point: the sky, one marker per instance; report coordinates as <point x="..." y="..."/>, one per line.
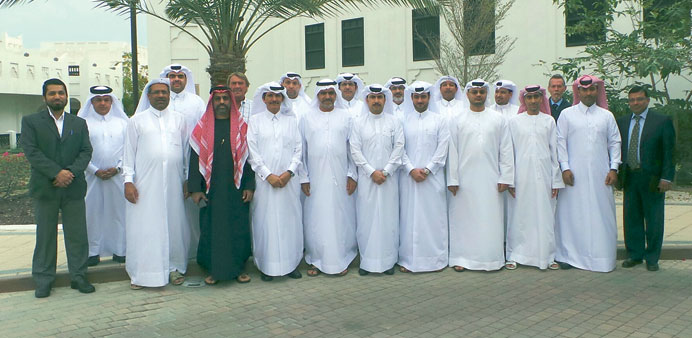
<point x="67" y="20"/>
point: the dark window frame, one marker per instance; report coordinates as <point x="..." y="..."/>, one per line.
<point x="425" y="26"/>
<point x="353" y="42"/>
<point x="314" y="46"/>
<point x="482" y="47"/>
<point x="576" y="17"/>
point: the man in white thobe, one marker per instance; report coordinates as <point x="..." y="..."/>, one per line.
<point x="156" y="148"/>
<point x="447" y="96"/>
<point x="506" y="98"/>
<point x="239" y="84"/>
<point x="537" y="178"/>
<point x="275" y="148"/>
<point x="480" y="167"/>
<point x="377" y="144"/>
<point x="328" y="180"/>
<point x="105" y="204"/>
<point x="423" y="240"/>
<point x="397" y="85"/>
<point x="588" y="142"/>
<point x="185" y="100"/>
<point x="300" y="102"/>
<point x="351" y="87"/>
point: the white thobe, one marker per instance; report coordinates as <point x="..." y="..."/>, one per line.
<point x="105" y="201"/>
<point x="507" y="110"/>
<point x="300" y="106"/>
<point x="531" y="223"/>
<point x="480" y="157"/>
<point x="192" y="107"/>
<point x="377" y="143"/>
<point x="245" y="109"/>
<point x="158" y="234"/>
<point x="329" y="214"/>
<point x="399" y="111"/>
<point x="275" y="146"/>
<point x="449" y="109"/>
<point x="423" y="238"/>
<point x="589" y="145"/>
<point x="355" y="107"/>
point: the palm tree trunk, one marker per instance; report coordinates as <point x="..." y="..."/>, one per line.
<point x="222" y="64"/>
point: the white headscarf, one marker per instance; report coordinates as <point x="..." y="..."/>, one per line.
<point x="511" y="86"/>
<point x="351" y="77"/>
<point x="436" y="95"/>
<point x="395" y="81"/>
<point x="477" y="83"/>
<point x="377" y="89"/>
<point x="116" y="111"/>
<point x="325" y="84"/>
<point x="258" y="104"/>
<point x="417" y="87"/>
<point x="292" y="76"/>
<point x="177" y="68"/>
<point x="144" y="103"/>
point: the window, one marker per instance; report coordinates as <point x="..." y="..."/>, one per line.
<point x="479" y="26"/>
<point x="576" y="19"/>
<point x="352" y="46"/>
<point x="426" y="35"/>
<point x="314" y="46"/>
<point x="666" y="16"/>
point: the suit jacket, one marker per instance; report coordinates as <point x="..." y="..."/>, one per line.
<point x="656" y="147"/>
<point x="48" y="153"/>
<point x="556" y="112"/>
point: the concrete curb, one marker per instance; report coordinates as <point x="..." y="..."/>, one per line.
<point x="116" y="272"/>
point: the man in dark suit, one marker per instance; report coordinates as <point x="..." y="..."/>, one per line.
<point x="57" y="146"/>
<point x="647" y="171"/>
<point x="556" y="88"/>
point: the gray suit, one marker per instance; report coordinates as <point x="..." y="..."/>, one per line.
<point x="48" y="153"/>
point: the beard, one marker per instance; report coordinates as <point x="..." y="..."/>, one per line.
<point x="57" y="105"/>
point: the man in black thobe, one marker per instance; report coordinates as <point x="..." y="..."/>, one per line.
<point x="222" y="183"/>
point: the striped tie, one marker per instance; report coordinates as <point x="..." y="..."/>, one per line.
<point x="632" y="160"/>
<point x="240" y="150"/>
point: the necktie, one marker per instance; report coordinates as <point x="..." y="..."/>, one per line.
<point x="554" y="106"/>
<point x="632" y="160"/>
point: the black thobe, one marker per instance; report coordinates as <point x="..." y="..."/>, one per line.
<point x="225" y="240"/>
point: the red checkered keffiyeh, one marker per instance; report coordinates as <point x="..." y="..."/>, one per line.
<point x="202" y="140"/>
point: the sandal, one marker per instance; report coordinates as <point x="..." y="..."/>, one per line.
<point x="243" y="278"/>
<point x="136" y="287"/>
<point x="313" y="271"/>
<point x="210" y="280"/>
<point x="511" y="265"/>
<point x="458" y="268"/>
<point x="176" y="278"/>
<point x="403" y="269"/>
<point x="554" y="266"/>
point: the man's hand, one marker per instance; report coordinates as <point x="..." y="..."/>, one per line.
<point x="186" y="193"/>
<point x="378" y="177"/>
<point x="351" y="185"/>
<point x="305" y="187"/>
<point x="197" y="196"/>
<point x="285" y="177"/>
<point x="63" y="178"/>
<point x="418" y="175"/>
<point x="612" y="177"/>
<point x="106" y="174"/>
<point x="274" y="180"/>
<point x="131" y="193"/>
<point x="501" y="187"/>
<point x="567" y="177"/>
<point x="664" y="186"/>
<point x="554" y="194"/>
<point x="453" y="189"/>
<point x="247" y="195"/>
<point x="512" y="192"/>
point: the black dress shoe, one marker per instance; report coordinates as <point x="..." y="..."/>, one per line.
<point x="628" y="263"/>
<point x="363" y="272"/>
<point x="43" y="291"/>
<point x="82" y="285"/>
<point x="390" y="271"/>
<point x="652" y="266"/>
<point x="564" y="266"/>
<point x="94" y="260"/>
<point x="295" y="274"/>
<point x="266" y="278"/>
<point x="118" y="259"/>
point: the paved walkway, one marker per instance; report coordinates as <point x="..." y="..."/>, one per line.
<point x="17" y="242"/>
<point x="521" y="303"/>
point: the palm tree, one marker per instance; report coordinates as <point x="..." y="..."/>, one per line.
<point x="232" y="27"/>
